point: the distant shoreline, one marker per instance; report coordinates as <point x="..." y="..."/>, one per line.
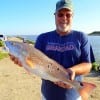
<point x="93" y="35"/>
<point x="96" y="33"/>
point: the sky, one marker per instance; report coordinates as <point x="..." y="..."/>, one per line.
<point x="33" y="17"/>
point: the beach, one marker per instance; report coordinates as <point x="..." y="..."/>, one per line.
<point x="17" y="84"/>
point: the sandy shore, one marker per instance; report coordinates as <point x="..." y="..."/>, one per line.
<point x="17" y="84"/>
<point x="95" y="79"/>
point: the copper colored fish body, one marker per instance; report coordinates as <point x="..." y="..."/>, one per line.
<point x="34" y="61"/>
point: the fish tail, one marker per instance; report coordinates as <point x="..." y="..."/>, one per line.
<point x="86" y="90"/>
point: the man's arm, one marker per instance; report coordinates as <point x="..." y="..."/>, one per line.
<point x="82" y="68"/>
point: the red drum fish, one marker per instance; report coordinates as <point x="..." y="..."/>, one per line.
<point x="36" y="62"/>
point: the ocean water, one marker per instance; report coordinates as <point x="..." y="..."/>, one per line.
<point x="29" y="37"/>
<point x="94" y="40"/>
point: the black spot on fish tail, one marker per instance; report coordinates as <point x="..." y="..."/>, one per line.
<point x="81" y="84"/>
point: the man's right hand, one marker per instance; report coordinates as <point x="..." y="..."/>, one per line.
<point x="15" y="60"/>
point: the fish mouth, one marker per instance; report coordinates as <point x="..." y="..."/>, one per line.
<point x="5" y="48"/>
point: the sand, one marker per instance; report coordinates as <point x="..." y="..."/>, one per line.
<point x="17" y="84"/>
<point x="94" y="77"/>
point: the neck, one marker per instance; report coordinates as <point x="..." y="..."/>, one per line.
<point x="63" y="33"/>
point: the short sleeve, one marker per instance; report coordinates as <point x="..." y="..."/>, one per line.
<point x="86" y="50"/>
<point x="40" y="44"/>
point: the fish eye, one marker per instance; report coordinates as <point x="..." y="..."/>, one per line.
<point x="14" y="44"/>
<point x="11" y="43"/>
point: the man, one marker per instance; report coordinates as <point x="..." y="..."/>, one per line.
<point x="69" y="48"/>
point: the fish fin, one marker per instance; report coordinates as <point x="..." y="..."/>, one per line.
<point x="86" y="89"/>
<point x="29" y="62"/>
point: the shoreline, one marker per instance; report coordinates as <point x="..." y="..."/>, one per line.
<point x="16" y="83"/>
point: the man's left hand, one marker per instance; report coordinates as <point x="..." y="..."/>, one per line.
<point x="71" y="74"/>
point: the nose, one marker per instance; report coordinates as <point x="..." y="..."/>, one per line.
<point x="64" y="17"/>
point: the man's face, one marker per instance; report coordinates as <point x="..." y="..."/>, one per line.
<point x="63" y="20"/>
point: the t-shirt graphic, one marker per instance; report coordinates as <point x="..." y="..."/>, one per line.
<point x="60" y="47"/>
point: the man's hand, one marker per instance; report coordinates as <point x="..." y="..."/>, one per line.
<point x="71" y="77"/>
<point x="63" y="85"/>
<point x="71" y="73"/>
<point x="15" y="60"/>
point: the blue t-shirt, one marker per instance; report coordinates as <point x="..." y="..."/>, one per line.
<point x="67" y="50"/>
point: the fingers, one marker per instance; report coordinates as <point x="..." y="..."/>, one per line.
<point x="15" y="60"/>
<point x="20" y="64"/>
<point x="11" y="57"/>
<point x="71" y="73"/>
<point x="73" y="76"/>
<point x="63" y="85"/>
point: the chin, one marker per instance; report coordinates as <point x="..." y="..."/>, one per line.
<point x="64" y="30"/>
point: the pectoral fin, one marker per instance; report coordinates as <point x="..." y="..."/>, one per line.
<point x="29" y="62"/>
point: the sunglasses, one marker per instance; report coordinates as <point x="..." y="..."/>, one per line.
<point x="68" y="15"/>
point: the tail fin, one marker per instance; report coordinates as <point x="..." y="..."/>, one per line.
<point x="86" y="90"/>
